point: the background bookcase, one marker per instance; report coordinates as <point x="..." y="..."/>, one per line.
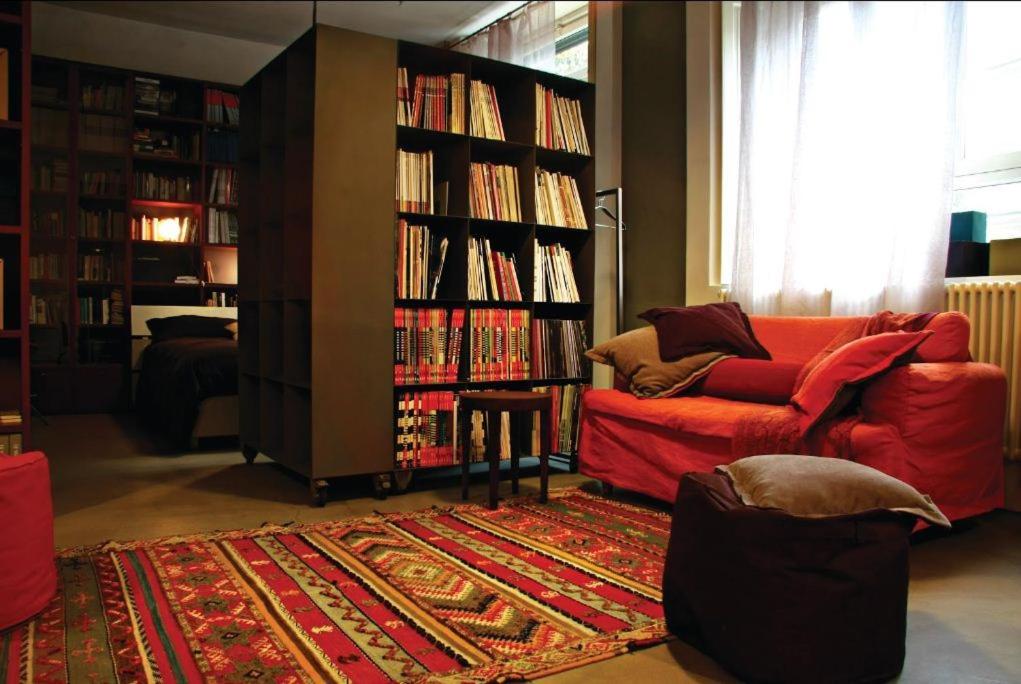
<point x="88" y="121"/>
<point x="317" y="235"/>
<point x="15" y="131"/>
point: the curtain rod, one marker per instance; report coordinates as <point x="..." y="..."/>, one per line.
<point x="491" y="24"/>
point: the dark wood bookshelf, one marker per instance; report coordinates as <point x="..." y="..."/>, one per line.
<point x="79" y="367"/>
<point x="316" y="277"/>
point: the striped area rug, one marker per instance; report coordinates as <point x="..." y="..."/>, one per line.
<point x="462" y="594"/>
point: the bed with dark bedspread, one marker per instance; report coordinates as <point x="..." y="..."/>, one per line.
<point x="177" y="375"/>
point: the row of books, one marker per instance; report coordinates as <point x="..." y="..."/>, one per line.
<point x="50" y="176"/>
<point x="99" y="310"/>
<point x="492" y="275"/>
<point x="485" y="112"/>
<point x="105" y="182"/>
<point x="147" y="227"/>
<point x="98" y="267"/>
<point x="152" y="99"/>
<point x="498" y="345"/>
<point x="564" y="421"/>
<point x="426" y="430"/>
<point x="168" y="144"/>
<point x="46" y="94"/>
<point x="427" y="345"/>
<point x="222" y="146"/>
<point x="558" y="348"/>
<point x="47" y="309"/>
<point x="222" y="227"/>
<point x="495" y="194"/>
<point x="557" y="201"/>
<point x="46" y="265"/>
<point x="223" y="186"/>
<point x="105" y="224"/>
<point x="420" y="257"/>
<point x="100" y="133"/>
<point x="415" y="181"/>
<point x="221" y="298"/>
<point x="154" y="186"/>
<point x="436" y="103"/>
<point x="105" y="96"/>
<point x="559" y="124"/>
<point x="222" y="107"/>
<point x="554" y="275"/>
<point x="49" y="127"/>
<point x="11" y="444"/>
<point x="47" y="222"/>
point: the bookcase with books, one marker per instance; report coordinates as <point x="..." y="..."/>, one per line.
<point x="134" y="201"/>
<point x="15" y="182"/>
<point x="353" y="272"/>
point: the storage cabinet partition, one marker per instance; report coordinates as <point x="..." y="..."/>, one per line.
<point x="319" y="145"/>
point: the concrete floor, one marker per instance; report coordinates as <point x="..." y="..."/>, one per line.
<point x="111" y="481"/>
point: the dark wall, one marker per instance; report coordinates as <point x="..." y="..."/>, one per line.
<point x="653" y="155"/>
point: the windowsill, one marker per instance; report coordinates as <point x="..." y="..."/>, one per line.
<point x="983" y="279"/>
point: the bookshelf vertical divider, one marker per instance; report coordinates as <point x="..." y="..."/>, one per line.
<point x="317" y="254"/>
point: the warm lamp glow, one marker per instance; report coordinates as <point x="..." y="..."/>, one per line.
<point x="168" y="230"/>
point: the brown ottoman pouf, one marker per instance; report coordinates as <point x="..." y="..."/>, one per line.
<point x="794" y="568"/>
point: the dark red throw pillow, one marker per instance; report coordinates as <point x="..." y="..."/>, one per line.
<point x="755" y="380"/>
<point x="830" y="385"/>
<point x="687" y="330"/>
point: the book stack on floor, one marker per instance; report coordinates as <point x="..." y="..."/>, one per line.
<point x="420" y="259"/>
<point x="98" y="310"/>
<point x="492" y="275"/>
<point x="485" y="112"/>
<point x="427" y="345"/>
<point x="222" y="227"/>
<point x="426" y="429"/>
<point x="498" y="345"/>
<point x="557" y="202"/>
<point x="222" y="107"/>
<point x="495" y="194"/>
<point x="558" y="349"/>
<point x="559" y="122"/>
<point x="437" y="102"/>
<point x="415" y="181"/>
<point x="554" y="274"/>
<point x="564" y="419"/>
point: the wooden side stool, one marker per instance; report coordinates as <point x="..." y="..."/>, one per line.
<point x="493" y="404"/>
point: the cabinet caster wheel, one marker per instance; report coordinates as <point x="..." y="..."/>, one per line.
<point x="381" y="485"/>
<point x="318" y="489"/>
<point x="249" y="453"/>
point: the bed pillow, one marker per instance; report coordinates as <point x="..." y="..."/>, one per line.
<point x="829" y="386"/>
<point x="688" y="330"/>
<point x="189" y="326"/>
<point x="818" y="487"/>
<point x="635" y="357"/>
<point x="755" y="380"/>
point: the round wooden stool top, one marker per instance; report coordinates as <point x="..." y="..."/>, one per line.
<point x="498" y="400"/>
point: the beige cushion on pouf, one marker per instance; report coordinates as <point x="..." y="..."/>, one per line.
<point x="816" y="487"/>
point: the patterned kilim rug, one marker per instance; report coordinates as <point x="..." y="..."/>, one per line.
<point x="462" y="594"/>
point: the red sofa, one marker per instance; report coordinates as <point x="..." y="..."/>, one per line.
<point x="936" y="426"/>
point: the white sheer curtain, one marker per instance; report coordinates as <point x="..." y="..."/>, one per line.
<point x="528" y="37"/>
<point x="848" y="126"/>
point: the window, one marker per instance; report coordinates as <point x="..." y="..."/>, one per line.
<point x="572" y="38"/>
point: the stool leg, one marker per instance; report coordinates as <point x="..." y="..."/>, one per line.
<point x="515" y="443"/>
<point x="465" y="429"/>
<point x="493" y="451"/>
<point x="544" y="449"/>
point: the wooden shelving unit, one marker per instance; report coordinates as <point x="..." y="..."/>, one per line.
<point x="317" y="259"/>
<point x="78" y="367"/>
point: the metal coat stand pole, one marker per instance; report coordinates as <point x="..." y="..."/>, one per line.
<point x="617" y="216"/>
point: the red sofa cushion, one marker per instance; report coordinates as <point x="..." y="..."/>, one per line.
<point x="755" y="380"/>
<point x="828" y="387"/>
<point x="949" y="342"/>
<point x="28" y="574"/>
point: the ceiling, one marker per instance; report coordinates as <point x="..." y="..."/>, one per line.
<point x="279" y="23"/>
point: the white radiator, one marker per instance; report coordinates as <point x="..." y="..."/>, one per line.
<point x="994" y="308"/>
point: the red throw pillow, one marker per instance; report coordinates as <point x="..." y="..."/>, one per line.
<point x="688" y="330"/>
<point x="763" y="382"/>
<point x="830" y="385"/>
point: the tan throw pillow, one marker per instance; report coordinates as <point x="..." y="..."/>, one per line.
<point x="635" y="355"/>
<point x="233" y="328"/>
<point x="819" y="487"/>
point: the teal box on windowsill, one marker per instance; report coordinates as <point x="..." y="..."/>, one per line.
<point x="968" y="226"/>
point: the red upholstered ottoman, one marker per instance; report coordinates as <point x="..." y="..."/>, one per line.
<point x="28" y="574"/>
<point x="776" y="596"/>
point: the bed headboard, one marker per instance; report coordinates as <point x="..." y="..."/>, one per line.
<point x="141" y="314"/>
